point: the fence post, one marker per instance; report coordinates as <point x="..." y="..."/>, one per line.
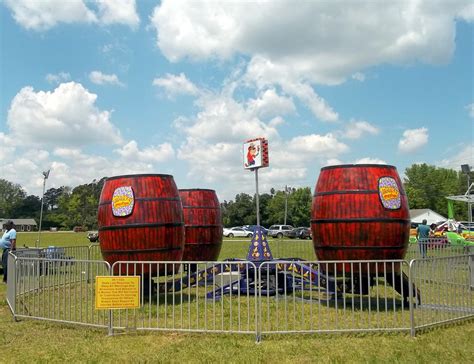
<point x="258" y="296"/>
<point x="410" y="297"/>
<point x="471" y="269"/>
<point x="11" y="283"/>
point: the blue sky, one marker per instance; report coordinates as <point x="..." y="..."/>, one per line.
<point x="108" y="87"/>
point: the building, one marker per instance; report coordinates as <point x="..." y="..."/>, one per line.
<point x="418" y="215"/>
<point x="21" y="224"/>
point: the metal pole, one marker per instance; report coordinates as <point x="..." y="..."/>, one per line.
<point x="41" y="215"/>
<point x="256" y="197"/>
<point x="469" y="206"/>
<point x="286" y="203"/>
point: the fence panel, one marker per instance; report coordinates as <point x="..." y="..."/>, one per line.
<point x="58" y="290"/>
<point x="434" y="248"/>
<point x="444" y="289"/>
<point x="191" y="296"/>
<point x="300" y="296"/>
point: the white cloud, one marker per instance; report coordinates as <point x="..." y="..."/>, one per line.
<point x="65" y="116"/>
<point x="368" y="160"/>
<point x="359" y="76"/>
<point x="58" y="77"/>
<point x="413" y="139"/>
<point x="7" y="147"/>
<point x="100" y="78"/>
<point x="176" y="85"/>
<point x="316" y="41"/>
<point x="470" y="109"/>
<point x="467" y="12"/>
<point x="355" y="129"/>
<point x="223" y="119"/>
<point x="263" y="73"/>
<point x="465" y="155"/>
<point x="319" y="145"/>
<point x="118" y="12"/>
<point x="45" y="14"/>
<point x="155" y="154"/>
<point x="269" y="104"/>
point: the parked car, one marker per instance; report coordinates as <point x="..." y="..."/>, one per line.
<point x="301" y="233"/>
<point x="279" y="231"/>
<point x="237" y="231"/>
<point x="93" y="236"/>
<point x="253" y="227"/>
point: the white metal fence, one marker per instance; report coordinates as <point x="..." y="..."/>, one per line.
<point x="274" y="297"/>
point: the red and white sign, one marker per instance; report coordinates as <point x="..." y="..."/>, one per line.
<point x="256" y="153"/>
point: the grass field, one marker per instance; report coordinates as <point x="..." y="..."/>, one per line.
<point x="35" y="341"/>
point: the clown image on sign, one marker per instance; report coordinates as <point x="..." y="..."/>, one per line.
<point x="252" y="154"/>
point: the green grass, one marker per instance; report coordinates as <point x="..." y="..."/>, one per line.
<point x="30" y="340"/>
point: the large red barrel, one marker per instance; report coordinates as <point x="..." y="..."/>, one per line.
<point x="360" y="212"/>
<point x="203" y="224"/>
<point x="141" y="219"/>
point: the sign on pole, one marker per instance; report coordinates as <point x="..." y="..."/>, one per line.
<point x="256" y="153"/>
<point x="255" y="157"/>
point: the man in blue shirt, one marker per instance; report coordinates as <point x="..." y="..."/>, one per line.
<point x="423" y="234"/>
<point x="7" y="243"/>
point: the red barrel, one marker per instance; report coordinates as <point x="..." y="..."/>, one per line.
<point x="203" y="224"/>
<point x="141" y="219"/>
<point x="360" y="212"/>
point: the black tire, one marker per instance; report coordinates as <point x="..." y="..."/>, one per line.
<point x="249" y="235"/>
<point x="279" y="236"/>
<point x="231" y="235"/>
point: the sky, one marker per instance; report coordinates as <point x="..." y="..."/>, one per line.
<point x="112" y="87"/>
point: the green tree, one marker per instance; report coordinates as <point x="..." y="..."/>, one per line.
<point x="29" y="207"/>
<point x="11" y="195"/>
<point x="427" y="187"/>
<point x="299" y="207"/>
<point x="242" y="211"/>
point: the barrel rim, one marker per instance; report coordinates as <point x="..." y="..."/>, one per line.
<point x="389" y="166"/>
<point x="139" y="175"/>
<point x="196" y="189"/>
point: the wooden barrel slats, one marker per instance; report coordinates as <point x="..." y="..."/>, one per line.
<point x="141" y="219"/>
<point x="203" y="224"/>
<point x="360" y="212"/>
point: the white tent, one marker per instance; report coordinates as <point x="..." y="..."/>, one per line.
<point x="432" y="217"/>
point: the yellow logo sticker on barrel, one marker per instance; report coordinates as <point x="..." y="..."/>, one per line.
<point x="123" y="201"/>
<point x="389" y="193"/>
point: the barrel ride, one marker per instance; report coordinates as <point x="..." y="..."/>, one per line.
<point x="360" y="212"/>
<point x="203" y="224"/>
<point x="141" y="219"/>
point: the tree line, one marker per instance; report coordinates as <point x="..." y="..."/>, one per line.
<point x="65" y="207"/>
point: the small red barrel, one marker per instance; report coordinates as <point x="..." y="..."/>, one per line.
<point x="360" y="212"/>
<point x="203" y="224"/>
<point x="141" y="219"/>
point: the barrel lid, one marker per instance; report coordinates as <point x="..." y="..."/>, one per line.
<point x="388" y="166"/>
<point x="139" y="175"/>
<point x="195" y="189"/>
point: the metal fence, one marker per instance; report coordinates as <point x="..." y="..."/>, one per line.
<point x="445" y="290"/>
<point x="55" y="289"/>
<point x="274" y="297"/>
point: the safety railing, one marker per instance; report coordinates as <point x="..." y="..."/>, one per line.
<point x="445" y="290"/>
<point x="334" y="296"/>
<point x="435" y="248"/>
<point x="191" y="296"/>
<point x="60" y="290"/>
<point x="264" y="298"/>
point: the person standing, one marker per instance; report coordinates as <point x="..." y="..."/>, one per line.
<point x="423" y="234"/>
<point x="7" y="243"/>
